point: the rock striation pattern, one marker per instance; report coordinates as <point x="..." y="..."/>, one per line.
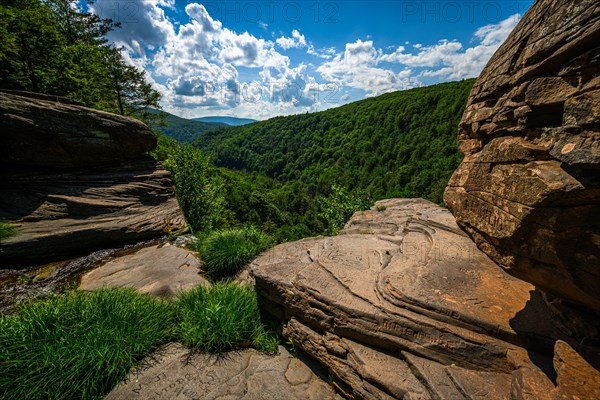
<point x="173" y="373"/>
<point x="402" y="304"/>
<point x="528" y="190"/>
<point x="106" y="192"/>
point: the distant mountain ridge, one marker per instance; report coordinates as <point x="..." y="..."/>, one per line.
<point x="184" y="130"/>
<point x="233" y="121"/>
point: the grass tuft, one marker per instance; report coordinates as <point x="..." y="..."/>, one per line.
<point x="226" y="252"/>
<point x="223" y="317"/>
<point x="6" y="229"/>
<point x="79" y="345"/>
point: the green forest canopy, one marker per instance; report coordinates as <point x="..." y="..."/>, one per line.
<point x="400" y="144"/>
<point x="52" y="47"/>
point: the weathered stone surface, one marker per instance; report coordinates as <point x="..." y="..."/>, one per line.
<point x="576" y="378"/>
<point x="404" y="290"/>
<point x="64" y="213"/>
<point x="172" y="373"/>
<point x="162" y="270"/>
<point x="528" y="190"/>
<point x="38" y="130"/>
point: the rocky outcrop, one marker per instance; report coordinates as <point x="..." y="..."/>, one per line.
<point x="402" y="304"/>
<point x="75" y="180"/>
<point x="163" y="270"/>
<point x="528" y="190"/>
<point x="40" y="130"/>
<point x="174" y="373"/>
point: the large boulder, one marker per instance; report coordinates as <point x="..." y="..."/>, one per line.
<point x="402" y="304"/>
<point x="75" y="180"/>
<point x="528" y="190"/>
<point x="48" y="131"/>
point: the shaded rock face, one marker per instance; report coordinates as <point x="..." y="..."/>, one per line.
<point x="163" y="271"/>
<point x="74" y="180"/>
<point x="39" y="130"/>
<point x="528" y="190"/>
<point x="402" y="304"/>
<point x="172" y="373"/>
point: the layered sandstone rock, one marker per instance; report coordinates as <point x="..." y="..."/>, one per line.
<point x="528" y="190"/>
<point x="48" y="131"/>
<point x="74" y="180"/>
<point x="402" y="304"/>
<point x="173" y="373"/>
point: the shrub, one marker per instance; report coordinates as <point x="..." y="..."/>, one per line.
<point x="226" y="252"/>
<point x="6" y="229"/>
<point x="79" y="345"/>
<point x="200" y="191"/>
<point x="223" y="317"/>
<point x="339" y="206"/>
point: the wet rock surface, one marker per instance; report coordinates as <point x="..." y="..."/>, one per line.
<point x="402" y="304"/>
<point x="162" y="270"/>
<point x="173" y="373"/>
<point x="528" y="190"/>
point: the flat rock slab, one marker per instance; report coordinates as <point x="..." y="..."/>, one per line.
<point x="160" y="270"/>
<point x="408" y="282"/>
<point x="172" y="373"/>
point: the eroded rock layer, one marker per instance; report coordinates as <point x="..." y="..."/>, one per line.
<point x="64" y="213"/>
<point x="49" y="131"/>
<point x="528" y="190"/>
<point x="75" y="180"/>
<point x="402" y="304"/>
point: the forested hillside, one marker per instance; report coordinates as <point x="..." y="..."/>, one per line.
<point x="181" y="129"/>
<point x="400" y="144"/>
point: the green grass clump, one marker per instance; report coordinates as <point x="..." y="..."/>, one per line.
<point x="6" y="229"/>
<point x="223" y="317"/>
<point x="79" y="345"/>
<point x="227" y="252"/>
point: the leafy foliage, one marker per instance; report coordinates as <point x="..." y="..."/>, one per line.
<point x="79" y="345"/>
<point x="198" y="189"/>
<point x="6" y="229"/>
<point x="218" y="198"/>
<point x="400" y="144"/>
<point x="53" y="47"/>
<point x="339" y="206"/>
<point x="226" y="252"/>
<point x="223" y="317"/>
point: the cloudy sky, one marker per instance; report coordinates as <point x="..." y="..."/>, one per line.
<point x="259" y="59"/>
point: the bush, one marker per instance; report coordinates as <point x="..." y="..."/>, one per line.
<point x="200" y="191"/>
<point x="339" y="206"/>
<point x="223" y="317"/>
<point x="6" y="229"/>
<point x="226" y="252"/>
<point x="79" y="345"/>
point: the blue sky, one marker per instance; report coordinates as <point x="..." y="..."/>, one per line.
<point x="259" y="59"/>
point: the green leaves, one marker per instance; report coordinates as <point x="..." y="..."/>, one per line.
<point x="54" y="47"/>
<point x="339" y="206"/>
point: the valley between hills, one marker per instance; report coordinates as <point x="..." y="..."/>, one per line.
<point x="433" y="243"/>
